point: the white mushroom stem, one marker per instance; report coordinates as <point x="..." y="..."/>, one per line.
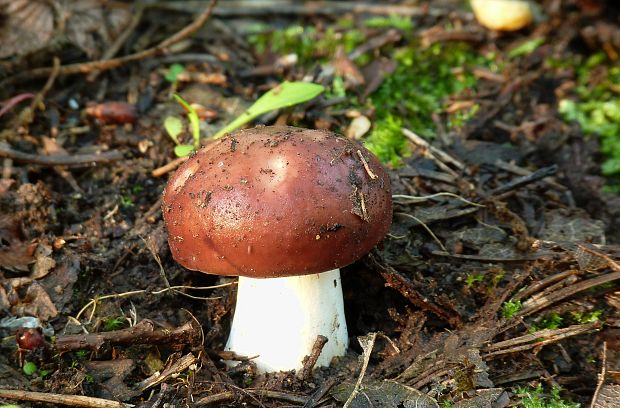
<point x="278" y="320"/>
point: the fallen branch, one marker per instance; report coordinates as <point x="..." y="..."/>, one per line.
<point x="538" y="339"/>
<point x="278" y="7"/>
<point x="178" y="366"/>
<point x="142" y="333"/>
<point x="76" y="160"/>
<point x="525" y="180"/>
<point x="61" y="399"/>
<point x="533" y="305"/>
<point x="368" y="343"/>
<point x="231" y="395"/>
<point x="405" y="287"/>
<point x="310" y="360"/>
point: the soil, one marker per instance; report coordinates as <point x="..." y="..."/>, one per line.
<point x="499" y="274"/>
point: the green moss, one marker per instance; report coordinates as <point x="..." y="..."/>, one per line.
<point x="473" y="278"/>
<point x="408" y="97"/>
<point x="597" y="109"/>
<point x="310" y="44"/>
<point x="386" y="140"/>
<point x="511" y="308"/>
<point x="399" y="22"/>
<point x="584" y="318"/>
<point x="114" y="323"/>
<point x="551" y="321"/>
<point x="424" y="78"/>
<point x="534" y="398"/>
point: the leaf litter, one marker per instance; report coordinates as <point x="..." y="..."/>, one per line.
<point x="501" y="219"/>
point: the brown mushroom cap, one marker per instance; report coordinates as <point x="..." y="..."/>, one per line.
<point x="276" y="201"/>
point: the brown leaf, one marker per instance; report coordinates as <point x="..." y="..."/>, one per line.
<point x="4" y="299"/>
<point x="27" y="25"/>
<point x="9" y="229"/>
<point x="31" y="25"/>
<point x="375" y="73"/>
<point x="608" y="396"/>
<point x="346" y="69"/>
<point x="15" y="254"/>
<point x="94" y="24"/>
<point x="17" y="257"/>
<point x="59" y="283"/>
<point x="37" y="303"/>
<point x="43" y="261"/>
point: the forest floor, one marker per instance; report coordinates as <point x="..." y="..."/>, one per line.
<point x="498" y="284"/>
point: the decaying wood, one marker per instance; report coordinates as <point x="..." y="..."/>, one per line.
<point x="402" y="284"/>
<point x="177" y="366"/>
<point x="144" y="332"/>
<point x="76" y="160"/>
<point x="61" y="399"/>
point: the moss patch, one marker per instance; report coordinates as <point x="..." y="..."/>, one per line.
<point x="425" y="77"/>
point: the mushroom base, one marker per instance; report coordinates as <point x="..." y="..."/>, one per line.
<point x="278" y="320"/>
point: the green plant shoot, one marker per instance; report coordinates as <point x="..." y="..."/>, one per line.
<point x="526" y="47"/>
<point x="173" y="126"/>
<point x="173" y="72"/>
<point x="282" y="96"/>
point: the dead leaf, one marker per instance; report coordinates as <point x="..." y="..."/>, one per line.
<point x="93" y="24"/>
<point x="5" y="184"/>
<point x="16" y="257"/>
<point x="31" y="25"/>
<point x="374" y="74"/>
<point x="36" y="302"/>
<point x="4" y="299"/>
<point x="561" y="225"/>
<point x="59" y="283"/>
<point x="386" y="394"/>
<point x="608" y="397"/>
<point x="346" y="69"/>
<point x="9" y="228"/>
<point x="489" y="398"/>
<point x="108" y="377"/>
<point x="27" y="25"/>
<point x="43" y="261"/>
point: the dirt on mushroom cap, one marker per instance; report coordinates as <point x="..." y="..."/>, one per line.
<point x="277" y="201"/>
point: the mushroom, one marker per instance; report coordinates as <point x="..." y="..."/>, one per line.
<point x="283" y="208"/>
<point x="503" y="15"/>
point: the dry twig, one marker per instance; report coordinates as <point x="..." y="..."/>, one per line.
<point x="330" y="8"/>
<point x="601" y="376"/>
<point x="142" y="333"/>
<point x="61" y="399"/>
<point x="76" y="160"/>
<point x="367" y="342"/>
<point x="538" y="339"/>
<point x="176" y="367"/>
<point x="231" y="395"/>
<point x="310" y="360"/>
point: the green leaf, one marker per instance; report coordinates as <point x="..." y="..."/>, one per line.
<point x="526" y="47"/>
<point x="183" y="150"/>
<point x="173" y="72"/>
<point x="284" y="95"/>
<point x="194" y="121"/>
<point x="174" y="127"/>
<point x="30" y="368"/>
